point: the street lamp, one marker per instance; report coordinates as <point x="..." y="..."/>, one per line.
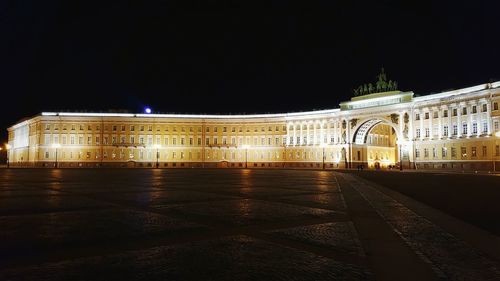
<point x="323" y="146"/>
<point x="246" y="147"/>
<point x="7" y="148"/>
<point x="157" y="146"/>
<point x="56" y="146"/>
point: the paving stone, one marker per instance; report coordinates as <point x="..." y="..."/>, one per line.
<point x="50" y="203"/>
<point x="332" y="201"/>
<point x="45" y="231"/>
<point x="247" y="211"/>
<point x="230" y="258"/>
<point x="338" y="236"/>
<point x="452" y="258"/>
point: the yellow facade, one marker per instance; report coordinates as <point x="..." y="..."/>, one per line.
<point x="375" y="131"/>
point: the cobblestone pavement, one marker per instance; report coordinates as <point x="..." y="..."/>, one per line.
<point x="229" y="224"/>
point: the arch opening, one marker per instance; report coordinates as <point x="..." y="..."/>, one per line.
<point x="376" y="144"/>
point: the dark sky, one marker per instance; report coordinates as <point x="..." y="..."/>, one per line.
<point x="231" y="57"/>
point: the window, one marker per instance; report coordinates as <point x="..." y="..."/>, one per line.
<point x="485" y="107"/>
<point x="434" y="152"/>
<point x="427" y="115"/>
<point x="464" y="128"/>
<point x="464" y="110"/>
<point x="495" y="106"/>
<point x="426" y="152"/>
<point x="454" y="112"/>
<point x="474" y="128"/>
<point x="474" y="151"/>
<point x="150" y="128"/>
<point x="455" y="130"/>
<point x="418" y="133"/>
<point x="485" y="127"/>
<point x="215" y="130"/>
<point x="474" y="109"/>
<point x="224" y="129"/>
<point x="497" y="150"/>
<point x="435" y="114"/>
<point x="445" y="113"/>
<point x="132" y="128"/>
<point x="445" y="130"/>
<point x="141" y="128"/>
<point x="444" y="152"/>
<point x="123" y="128"/>
<point x="453" y="152"/>
<point x="114" y="128"/>
<point x="417" y="153"/>
<point x="496" y="126"/>
<point x="427" y="132"/>
<point x="485" y="151"/>
<point x="463" y="150"/>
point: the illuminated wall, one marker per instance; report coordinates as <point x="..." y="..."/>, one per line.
<point x="451" y="130"/>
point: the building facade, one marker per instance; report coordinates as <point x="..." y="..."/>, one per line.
<point x="457" y="130"/>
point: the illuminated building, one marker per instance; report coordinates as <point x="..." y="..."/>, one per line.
<point x="457" y="129"/>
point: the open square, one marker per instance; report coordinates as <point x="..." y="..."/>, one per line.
<point x="193" y="224"/>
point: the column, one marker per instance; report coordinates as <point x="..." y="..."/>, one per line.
<point x="431" y="128"/>
<point x="488" y="116"/>
<point x="469" y="121"/>
<point x="422" y="131"/>
<point x="449" y="121"/>
<point x="440" y="123"/>
<point x="401" y="124"/>
<point x="459" y="121"/>
<point x="301" y="141"/>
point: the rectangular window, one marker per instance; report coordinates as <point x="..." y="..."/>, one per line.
<point x="418" y="133"/>
<point x="495" y="106"/>
<point x="427" y="132"/>
<point x="497" y="150"/>
<point x="444" y="152"/>
<point x="426" y="152"/>
<point x="427" y="115"/>
<point x="454" y="112"/>
<point x="435" y="114"/>
<point x="445" y="113"/>
<point x="463" y="151"/>
<point x="455" y="130"/>
<point x="453" y="152"/>
<point x="485" y="107"/>
<point x="445" y="130"/>
<point x="434" y="152"/>
<point x="417" y="153"/>
<point x="464" y="129"/>
<point x="485" y="151"/>
<point x="474" y="128"/>
<point x="474" y="109"/>
<point x="464" y="110"/>
<point x="474" y="151"/>
<point x="485" y="127"/>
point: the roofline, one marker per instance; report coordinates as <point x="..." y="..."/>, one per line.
<point x="189" y="116"/>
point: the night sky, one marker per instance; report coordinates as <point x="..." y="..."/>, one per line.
<point x="234" y="57"/>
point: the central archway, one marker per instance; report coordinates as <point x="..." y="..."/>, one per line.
<point x="375" y="144"/>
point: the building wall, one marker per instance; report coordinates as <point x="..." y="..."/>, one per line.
<point x="422" y="128"/>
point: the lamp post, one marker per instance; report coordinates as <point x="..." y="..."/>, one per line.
<point x="246" y="154"/>
<point x="323" y="146"/>
<point x="7" y="148"/>
<point x="56" y="146"/>
<point x="157" y="146"/>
